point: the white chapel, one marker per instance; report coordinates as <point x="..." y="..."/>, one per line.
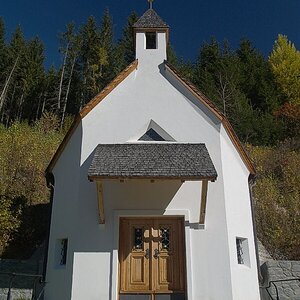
<point x="151" y="191"/>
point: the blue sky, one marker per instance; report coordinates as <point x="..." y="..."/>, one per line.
<point x="191" y="21"/>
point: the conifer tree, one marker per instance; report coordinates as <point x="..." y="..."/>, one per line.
<point x="90" y="37"/>
<point x="3" y="53"/>
<point x="257" y="81"/>
<point x="105" y="53"/>
<point x="125" y="49"/>
<point x="13" y="85"/>
<point x="49" y="96"/>
<point x="33" y="77"/>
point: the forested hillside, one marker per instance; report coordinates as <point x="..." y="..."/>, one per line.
<point x="260" y="96"/>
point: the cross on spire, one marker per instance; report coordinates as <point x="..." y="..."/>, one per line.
<point x="150" y="3"/>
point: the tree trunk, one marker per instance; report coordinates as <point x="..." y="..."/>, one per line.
<point x="3" y="93"/>
<point x="10" y="108"/>
<point x="67" y="93"/>
<point x="20" y="107"/>
<point x="3" y="110"/>
<point x="82" y="94"/>
<point x="38" y="107"/>
<point x="43" y="106"/>
<point x="62" y="78"/>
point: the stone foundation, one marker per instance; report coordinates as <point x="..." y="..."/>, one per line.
<point x="281" y="270"/>
<point x="21" y="285"/>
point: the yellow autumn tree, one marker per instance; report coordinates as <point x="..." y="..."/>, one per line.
<point x="285" y="64"/>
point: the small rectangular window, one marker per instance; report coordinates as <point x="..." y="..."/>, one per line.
<point x="61" y="252"/>
<point x="240" y="253"/>
<point x="151" y="40"/>
<point x="242" y="250"/>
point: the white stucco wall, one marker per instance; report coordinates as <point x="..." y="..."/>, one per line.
<point x="239" y="220"/>
<point x="150" y="93"/>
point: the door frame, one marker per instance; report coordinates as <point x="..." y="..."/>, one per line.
<point x="114" y="260"/>
<point x="184" y="252"/>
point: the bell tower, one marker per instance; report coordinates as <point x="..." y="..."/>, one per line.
<point x="151" y="38"/>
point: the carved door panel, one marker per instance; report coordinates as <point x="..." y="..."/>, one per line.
<point x="135" y="254"/>
<point x="168" y="263"/>
<point x="151" y="256"/>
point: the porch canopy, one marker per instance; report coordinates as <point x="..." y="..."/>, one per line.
<point x="152" y="161"/>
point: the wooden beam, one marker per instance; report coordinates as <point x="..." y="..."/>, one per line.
<point x="100" y="202"/>
<point x="203" y="201"/>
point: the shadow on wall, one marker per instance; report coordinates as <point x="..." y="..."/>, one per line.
<point x="137" y="194"/>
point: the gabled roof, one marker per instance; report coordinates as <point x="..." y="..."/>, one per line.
<point x="199" y="95"/>
<point x="152" y="161"/>
<point x="97" y="99"/>
<point x="202" y="98"/>
<point x="150" y="19"/>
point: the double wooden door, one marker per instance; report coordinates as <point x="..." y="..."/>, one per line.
<point x="152" y="257"/>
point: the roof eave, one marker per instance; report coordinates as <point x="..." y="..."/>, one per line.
<point x="151" y="27"/>
<point x="148" y="177"/>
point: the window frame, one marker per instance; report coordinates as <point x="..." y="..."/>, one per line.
<point x="151" y="35"/>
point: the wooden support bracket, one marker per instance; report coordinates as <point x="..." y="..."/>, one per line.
<point x="203" y="201"/>
<point x="100" y="202"/>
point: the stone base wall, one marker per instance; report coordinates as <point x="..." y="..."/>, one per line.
<point x="21" y="285"/>
<point x="271" y="270"/>
<point x="281" y="270"/>
<point x="16" y="294"/>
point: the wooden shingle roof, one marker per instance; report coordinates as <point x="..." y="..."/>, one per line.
<point x="150" y="19"/>
<point x="152" y="161"/>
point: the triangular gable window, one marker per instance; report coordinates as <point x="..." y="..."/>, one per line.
<point x="151" y="135"/>
<point x="155" y="133"/>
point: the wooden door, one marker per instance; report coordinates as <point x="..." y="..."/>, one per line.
<point x="135" y="253"/>
<point x="151" y="255"/>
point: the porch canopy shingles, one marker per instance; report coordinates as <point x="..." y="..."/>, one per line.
<point x="153" y="161"/>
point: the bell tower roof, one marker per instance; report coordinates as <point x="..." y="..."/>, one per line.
<point x="150" y="19"/>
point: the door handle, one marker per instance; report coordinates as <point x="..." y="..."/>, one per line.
<point x="147" y="254"/>
<point x="156" y="253"/>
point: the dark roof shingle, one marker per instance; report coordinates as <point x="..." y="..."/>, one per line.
<point x="150" y="19"/>
<point x="152" y="160"/>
